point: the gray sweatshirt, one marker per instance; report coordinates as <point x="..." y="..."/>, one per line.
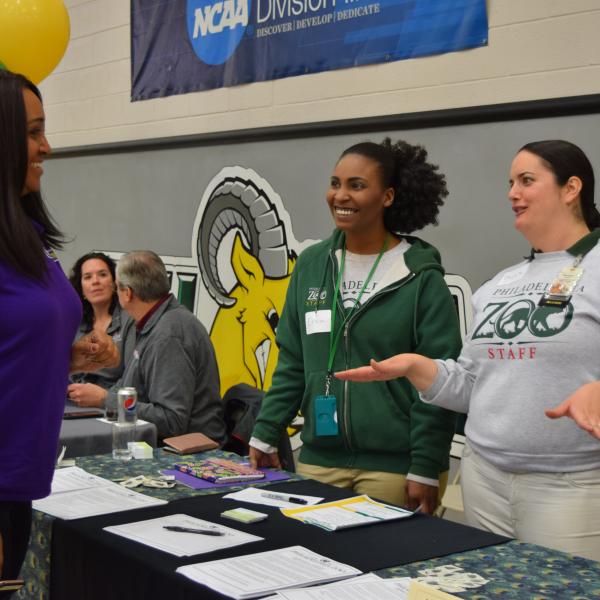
<point x="519" y="359"/>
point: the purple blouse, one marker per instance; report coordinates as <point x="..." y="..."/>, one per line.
<point x="38" y="322"/>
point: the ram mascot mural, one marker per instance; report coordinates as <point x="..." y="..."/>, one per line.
<point x="243" y="249"/>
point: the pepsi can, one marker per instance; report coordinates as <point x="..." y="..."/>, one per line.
<point x="127" y="405"/>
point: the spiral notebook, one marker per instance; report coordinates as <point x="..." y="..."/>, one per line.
<point x="219" y="470"/>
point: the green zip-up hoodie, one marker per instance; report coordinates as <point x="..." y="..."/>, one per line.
<point x="383" y="426"/>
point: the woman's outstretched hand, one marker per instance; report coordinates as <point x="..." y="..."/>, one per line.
<point x="391" y="368"/>
<point x="583" y="406"/>
<point x="420" y="370"/>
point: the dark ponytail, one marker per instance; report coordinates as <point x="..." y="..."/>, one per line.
<point x="567" y="160"/>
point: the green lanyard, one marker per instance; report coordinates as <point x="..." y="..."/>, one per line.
<point x="335" y="338"/>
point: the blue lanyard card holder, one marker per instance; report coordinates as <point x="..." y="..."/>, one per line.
<point x="326" y="415"/>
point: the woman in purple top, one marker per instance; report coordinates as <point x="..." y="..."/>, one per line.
<point x="39" y="315"/>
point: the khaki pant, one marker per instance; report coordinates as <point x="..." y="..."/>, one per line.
<point x="556" y="510"/>
<point x="388" y="487"/>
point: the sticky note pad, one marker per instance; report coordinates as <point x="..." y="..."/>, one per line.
<point x="245" y="515"/>
<point x="140" y="450"/>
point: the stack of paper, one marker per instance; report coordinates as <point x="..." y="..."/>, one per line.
<point x="365" y="587"/>
<point x="70" y="479"/>
<point x="351" y="512"/>
<point x="255" y="575"/>
<point x="269" y="498"/>
<point x="77" y="493"/>
<point x="180" y="543"/>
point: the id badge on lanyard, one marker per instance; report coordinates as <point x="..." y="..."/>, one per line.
<point x="325" y="406"/>
<point x="562" y="287"/>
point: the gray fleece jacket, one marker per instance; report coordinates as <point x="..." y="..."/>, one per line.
<point x="171" y="363"/>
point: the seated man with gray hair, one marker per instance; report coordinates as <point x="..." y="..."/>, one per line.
<point x="169" y="358"/>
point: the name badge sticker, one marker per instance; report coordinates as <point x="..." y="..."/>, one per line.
<point x="513" y="275"/>
<point x="318" y="321"/>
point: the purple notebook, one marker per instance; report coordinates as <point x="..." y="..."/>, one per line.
<point x="198" y="484"/>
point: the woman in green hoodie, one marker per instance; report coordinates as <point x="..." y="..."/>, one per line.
<point x="368" y="290"/>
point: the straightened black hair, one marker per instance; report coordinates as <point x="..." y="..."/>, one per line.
<point x="566" y="160"/>
<point x="419" y="189"/>
<point x="75" y="279"/>
<point x="21" y="246"/>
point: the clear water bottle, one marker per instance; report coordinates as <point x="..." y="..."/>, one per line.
<point x="123" y="431"/>
<point x="122" y="434"/>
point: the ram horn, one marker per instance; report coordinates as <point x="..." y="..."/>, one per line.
<point x="237" y="203"/>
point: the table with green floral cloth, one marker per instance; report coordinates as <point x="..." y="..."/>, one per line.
<point x="518" y="570"/>
<point x="36" y="568"/>
<point x="513" y="569"/>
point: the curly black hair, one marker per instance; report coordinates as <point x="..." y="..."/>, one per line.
<point x="419" y="189"/>
<point x="75" y="279"/>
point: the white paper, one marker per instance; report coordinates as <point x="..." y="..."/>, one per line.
<point x="99" y="500"/>
<point x="104" y="420"/>
<point x="255" y="575"/>
<point x="359" y="578"/>
<point x="379" y="511"/>
<point x="317" y="321"/>
<point x="365" y="587"/>
<point x="256" y="496"/>
<point x="69" y="479"/>
<point x="336" y="517"/>
<point x="152" y="533"/>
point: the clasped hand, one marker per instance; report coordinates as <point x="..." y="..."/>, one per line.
<point x="92" y="352"/>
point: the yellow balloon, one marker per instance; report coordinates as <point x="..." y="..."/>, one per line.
<point x="33" y="36"/>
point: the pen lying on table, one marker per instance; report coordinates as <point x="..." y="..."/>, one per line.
<point x="179" y="529"/>
<point x="284" y="497"/>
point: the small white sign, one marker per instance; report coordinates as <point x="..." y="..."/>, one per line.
<point x="318" y="321"/>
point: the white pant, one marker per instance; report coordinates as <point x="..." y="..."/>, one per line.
<point x="556" y="510"/>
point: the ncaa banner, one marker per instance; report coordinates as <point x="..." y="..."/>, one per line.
<point x="180" y="46"/>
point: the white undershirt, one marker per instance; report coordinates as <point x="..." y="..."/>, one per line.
<point x="356" y="271"/>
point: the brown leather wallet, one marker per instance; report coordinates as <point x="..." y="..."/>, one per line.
<point x="188" y="443"/>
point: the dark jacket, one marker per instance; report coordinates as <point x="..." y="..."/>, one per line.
<point x="383" y="426"/>
<point x="171" y="363"/>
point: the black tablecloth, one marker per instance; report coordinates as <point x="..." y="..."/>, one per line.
<point x="90" y="563"/>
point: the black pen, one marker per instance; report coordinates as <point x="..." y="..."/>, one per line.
<point x="180" y="529"/>
<point x="284" y="498"/>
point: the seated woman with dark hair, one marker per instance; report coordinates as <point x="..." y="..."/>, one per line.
<point x="93" y="277"/>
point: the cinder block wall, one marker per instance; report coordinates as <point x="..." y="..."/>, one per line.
<point x="537" y="49"/>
